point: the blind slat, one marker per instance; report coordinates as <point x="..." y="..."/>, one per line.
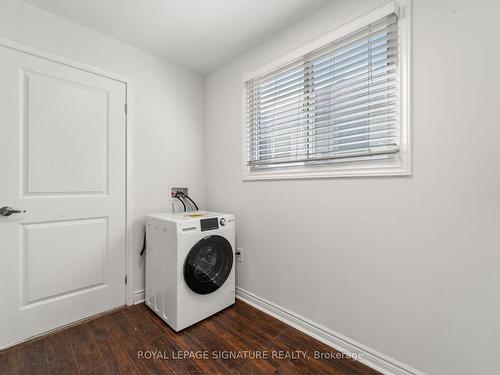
<point x="316" y="141"/>
<point x="338" y="102"/>
<point x="334" y="73"/>
<point x="305" y="130"/>
<point x="324" y="69"/>
<point x="307" y="133"/>
<point x="337" y="89"/>
<point x="344" y="116"/>
<point x="344" y="78"/>
<point x="327" y="100"/>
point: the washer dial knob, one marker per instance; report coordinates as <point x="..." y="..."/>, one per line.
<point x="222" y="221"/>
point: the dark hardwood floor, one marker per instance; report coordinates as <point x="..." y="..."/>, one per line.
<point x="134" y="340"/>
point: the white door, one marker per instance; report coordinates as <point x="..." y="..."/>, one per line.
<point x="62" y="159"/>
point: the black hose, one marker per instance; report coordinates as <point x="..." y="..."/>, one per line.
<point x="143" y="244"/>
<point x="188" y="204"/>
<point x="192" y="201"/>
<point x="183" y="204"/>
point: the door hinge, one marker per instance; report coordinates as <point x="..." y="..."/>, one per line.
<point x="126" y="107"/>
<point x="126" y="279"/>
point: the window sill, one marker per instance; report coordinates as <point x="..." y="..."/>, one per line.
<point x="326" y="172"/>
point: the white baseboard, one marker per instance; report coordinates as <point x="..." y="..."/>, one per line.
<point x="138" y="296"/>
<point x="368" y="356"/>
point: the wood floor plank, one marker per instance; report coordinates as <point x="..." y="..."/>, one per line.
<point x="122" y="327"/>
<point x="212" y="339"/>
<point x="128" y="334"/>
<point x="238" y="326"/>
<point x="304" y="362"/>
<point x="146" y="322"/>
<point x="137" y="350"/>
<point x="177" y="341"/>
<point x="345" y="365"/>
<point x="273" y="326"/>
<point x="60" y="358"/>
<point x="101" y="370"/>
<point x="134" y="340"/>
<point x="113" y="354"/>
<point x="33" y="358"/>
<point x="84" y="349"/>
<point x="170" y="348"/>
<point x="204" y="365"/>
<point x="9" y="362"/>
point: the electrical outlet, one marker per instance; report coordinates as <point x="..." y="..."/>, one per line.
<point x="239" y="255"/>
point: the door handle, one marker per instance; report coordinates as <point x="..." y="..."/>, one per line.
<point x="7" y="211"/>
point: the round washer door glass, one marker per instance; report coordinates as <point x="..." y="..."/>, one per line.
<point x="208" y="264"/>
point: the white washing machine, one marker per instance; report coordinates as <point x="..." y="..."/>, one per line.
<point x="189" y="265"/>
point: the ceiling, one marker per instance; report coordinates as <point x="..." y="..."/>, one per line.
<point x="198" y="34"/>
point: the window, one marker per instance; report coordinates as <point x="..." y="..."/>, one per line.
<point x="336" y="110"/>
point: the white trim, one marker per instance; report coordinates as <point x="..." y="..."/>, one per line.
<point x="61" y="60"/>
<point x="139" y="297"/>
<point x="368" y="356"/>
<point x="401" y="164"/>
<point x="129" y="236"/>
<point x="129" y="212"/>
<point x="349" y="171"/>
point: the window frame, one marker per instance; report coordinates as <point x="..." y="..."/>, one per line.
<point x="401" y="164"/>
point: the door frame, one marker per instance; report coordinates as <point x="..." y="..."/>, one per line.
<point x="129" y="115"/>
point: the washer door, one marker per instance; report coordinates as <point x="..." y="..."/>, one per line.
<point x="208" y="264"/>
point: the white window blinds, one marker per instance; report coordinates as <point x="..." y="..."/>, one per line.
<point x="338" y="102"/>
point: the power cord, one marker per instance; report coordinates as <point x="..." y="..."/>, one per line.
<point x="143" y="244"/>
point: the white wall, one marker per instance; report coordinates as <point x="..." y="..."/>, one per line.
<point x="168" y="101"/>
<point x="407" y="266"/>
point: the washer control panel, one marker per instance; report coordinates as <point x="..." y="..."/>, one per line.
<point x="209" y="224"/>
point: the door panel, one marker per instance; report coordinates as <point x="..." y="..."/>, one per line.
<point x="62" y="159"/>
<point x="46" y="253"/>
<point x="57" y="109"/>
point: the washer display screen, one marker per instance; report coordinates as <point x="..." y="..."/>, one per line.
<point x="209" y="224"/>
